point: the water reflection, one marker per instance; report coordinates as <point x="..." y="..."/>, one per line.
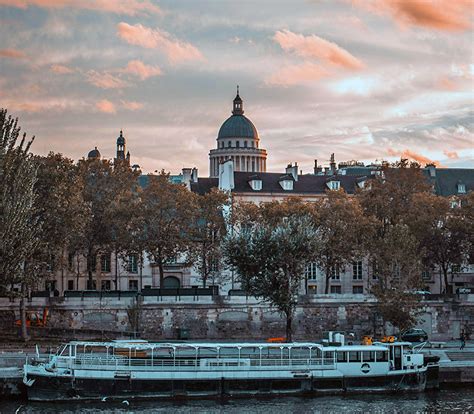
<point x="458" y="400"/>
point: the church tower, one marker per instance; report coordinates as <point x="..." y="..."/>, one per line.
<point x="121" y="148"/>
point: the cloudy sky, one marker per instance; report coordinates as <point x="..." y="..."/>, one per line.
<point x="365" y="79"/>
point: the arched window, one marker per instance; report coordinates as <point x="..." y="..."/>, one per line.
<point x="171" y="282"/>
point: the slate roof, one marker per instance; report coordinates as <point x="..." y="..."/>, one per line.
<point x="446" y="180"/>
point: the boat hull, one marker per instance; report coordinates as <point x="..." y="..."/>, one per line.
<point x="50" y="388"/>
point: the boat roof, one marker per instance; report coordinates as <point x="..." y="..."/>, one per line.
<point x="139" y="344"/>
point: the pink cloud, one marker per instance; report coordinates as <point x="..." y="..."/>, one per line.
<point x="175" y="50"/>
<point x="140" y="69"/>
<point x="61" y="69"/>
<point x="318" y="48"/>
<point x="12" y="53"/>
<point x="450" y="15"/>
<point x="296" y="74"/>
<point x="128" y="7"/>
<point x="106" y="106"/>
<point x="132" y="105"/>
<point x="411" y="155"/>
<point x="451" y="154"/>
<point x="105" y="80"/>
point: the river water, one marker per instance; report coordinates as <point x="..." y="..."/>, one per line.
<point x="444" y="401"/>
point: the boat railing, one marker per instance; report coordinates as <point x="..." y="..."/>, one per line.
<point x="111" y="363"/>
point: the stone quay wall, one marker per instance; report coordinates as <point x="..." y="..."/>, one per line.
<point x="235" y="318"/>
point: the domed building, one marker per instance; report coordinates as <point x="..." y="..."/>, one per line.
<point x="94" y="154"/>
<point x="238" y="140"/>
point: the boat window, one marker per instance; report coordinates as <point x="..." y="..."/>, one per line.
<point x="341" y="356"/>
<point x="354" y="356"/>
<point x="329" y="355"/>
<point x="368" y="356"/>
<point x="381" y="356"/>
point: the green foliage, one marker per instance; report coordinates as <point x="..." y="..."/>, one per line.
<point x="270" y="260"/>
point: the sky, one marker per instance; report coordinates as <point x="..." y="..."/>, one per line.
<point x="364" y="79"/>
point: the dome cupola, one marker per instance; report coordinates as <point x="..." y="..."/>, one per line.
<point x="94" y="154"/>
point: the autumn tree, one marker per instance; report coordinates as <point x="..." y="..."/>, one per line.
<point x="444" y="233"/>
<point x="59" y="208"/>
<point x="207" y="234"/>
<point x="167" y="210"/>
<point x="270" y="260"/>
<point x="342" y="233"/>
<point x="389" y="202"/>
<point x="106" y="188"/>
<point x="18" y="225"/>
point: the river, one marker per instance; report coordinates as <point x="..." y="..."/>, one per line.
<point x="444" y="401"/>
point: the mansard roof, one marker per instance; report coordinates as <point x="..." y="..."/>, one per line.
<point x="446" y="180"/>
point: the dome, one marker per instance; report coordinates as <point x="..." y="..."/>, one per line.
<point x="238" y="126"/>
<point x="94" y="153"/>
<point x="121" y="139"/>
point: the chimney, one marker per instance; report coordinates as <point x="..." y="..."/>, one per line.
<point x="332" y="164"/>
<point x="431" y="169"/>
<point x="194" y="175"/>
<point x="226" y="175"/>
<point x="187" y="172"/>
<point x="293" y="170"/>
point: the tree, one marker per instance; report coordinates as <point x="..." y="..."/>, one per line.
<point x="207" y="233"/>
<point x="168" y="217"/>
<point x="59" y="208"/>
<point x="106" y="190"/>
<point x="389" y="202"/>
<point x="271" y="259"/>
<point x="342" y="232"/>
<point x="444" y="234"/>
<point x="18" y="225"/>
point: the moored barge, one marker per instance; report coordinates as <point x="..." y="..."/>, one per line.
<point x="139" y="369"/>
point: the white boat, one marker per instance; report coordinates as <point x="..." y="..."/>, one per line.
<point x="139" y="369"/>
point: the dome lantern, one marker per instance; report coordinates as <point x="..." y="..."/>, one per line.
<point x="238" y="104"/>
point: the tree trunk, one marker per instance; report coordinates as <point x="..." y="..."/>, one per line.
<point x="447" y="287"/>
<point x="289" y="333"/>
<point x="162" y="272"/>
<point x="116" y="271"/>
<point x="24" y="332"/>
<point x="89" y="270"/>
<point x="328" y="278"/>
<point x="141" y="271"/>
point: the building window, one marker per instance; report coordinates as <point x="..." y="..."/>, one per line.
<point x="311" y="271"/>
<point x="357" y="289"/>
<point x="287" y="185"/>
<point x="92" y="263"/>
<point x="335" y="274"/>
<point x="334" y="185"/>
<point x="426" y="274"/>
<point x="132" y="265"/>
<point x="455" y="268"/>
<point x="133" y="285"/>
<point x="245" y="144"/>
<point x="105" y="263"/>
<point x="312" y="289"/>
<point x="91" y="284"/>
<point x="375" y="274"/>
<point x="229" y="144"/>
<point x="357" y="270"/>
<point x="70" y="261"/>
<point x="70" y="285"/>
<point x="336" y="289"/>
<point x="105" y="285"/>
<point x="461" y="188"/>
<point x="237" y="144"/>
<point x="256" y="185"/>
